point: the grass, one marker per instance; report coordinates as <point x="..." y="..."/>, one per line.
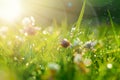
<point x="27" y="57"/>
<point x="92" y="53"/>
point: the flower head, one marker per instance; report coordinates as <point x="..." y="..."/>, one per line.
<point x="53" y="66"/>
<point x="65" y="43"/>
<point x="77" y="58"/>
<point x="77" y="42"/>
<point x="29" y="31"/>
<point x="90" y="44"/>
<point x="87" y="62"/>
<point x="28" y="21"/>
<point x="29" y="28"/>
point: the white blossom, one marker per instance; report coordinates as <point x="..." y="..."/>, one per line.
<point x="77" y="42"/>
<point x="109" y="65"/>
<point x="90" y="44"/>
<point x="87" y="62"/>
<point x="77" y="58"/>
<point x="53" y="66"/>
<point x="28" y="21"/>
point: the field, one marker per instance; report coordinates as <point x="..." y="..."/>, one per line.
<point x="60" y="52"/>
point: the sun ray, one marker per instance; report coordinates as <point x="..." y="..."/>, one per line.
<point x="9" y="9"/>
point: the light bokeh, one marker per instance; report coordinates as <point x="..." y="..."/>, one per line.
<point x="10" y="9"/>
<point x="44" y="11"/>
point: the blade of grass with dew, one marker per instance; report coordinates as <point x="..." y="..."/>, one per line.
<point x="113" y="28"/>
<point x="81" y="16"/>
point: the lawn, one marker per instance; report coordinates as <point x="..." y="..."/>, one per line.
<point x="60" y="52"/>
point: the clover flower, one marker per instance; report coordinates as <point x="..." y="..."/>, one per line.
<point x="77" y="58"/>
<point x="77" y="42"/>
<point x="65" y="43"/>
<point x="28" y="21"/>
<point x="90" y="44"/>
<point x="81" y="62"/>
<point x="29" y="28"/>
<point x="87" y="61"/>
<point x="53" y="67"/>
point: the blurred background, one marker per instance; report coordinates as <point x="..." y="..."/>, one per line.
<point x="47" y="11"/>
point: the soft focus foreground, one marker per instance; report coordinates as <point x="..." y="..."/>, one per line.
<point x="57" y="52"/>
<point x="60" y="52"/>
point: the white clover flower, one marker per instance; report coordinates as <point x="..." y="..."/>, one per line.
<point x="53" y="66"/>
<point x="77" y="58"/>
<point x="28" y="21"/>
<point x="87" y="61"/>
<point x="109" y="66"/>
<point x="30" y="30"/>
<point x="90" y="44"/>
<point x="77" y="42"/>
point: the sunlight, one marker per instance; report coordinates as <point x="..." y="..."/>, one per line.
<point x="9" y="9"/>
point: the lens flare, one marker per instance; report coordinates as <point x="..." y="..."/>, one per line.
<point x="9" y="9"/>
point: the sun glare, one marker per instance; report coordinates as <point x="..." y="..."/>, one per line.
<point x="9" y="9"/>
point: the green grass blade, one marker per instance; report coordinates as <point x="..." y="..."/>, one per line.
<point x="113" y="28"/>
<point x="81" y="16"/>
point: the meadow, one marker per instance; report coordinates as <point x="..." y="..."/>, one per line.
<point x="60" y="52"/>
